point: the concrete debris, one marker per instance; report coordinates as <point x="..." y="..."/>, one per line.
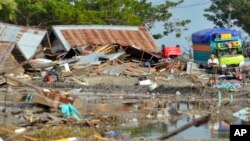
<point x="115" y="70"/>
<point x="152" y="86"/>
<point x="19" y="130"/>
<point x="145" y="82"/>
<point x="177" y="93"/>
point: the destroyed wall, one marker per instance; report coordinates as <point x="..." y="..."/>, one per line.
<point x="7" y="60"/>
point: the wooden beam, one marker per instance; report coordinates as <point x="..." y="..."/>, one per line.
<point x="48" y="39"/>
<point x="142" y="55"/>
<point x="151" y="57"/>
<point x="38" y="89"/>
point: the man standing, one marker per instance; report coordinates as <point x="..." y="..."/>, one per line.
<point x="213" y="64"/>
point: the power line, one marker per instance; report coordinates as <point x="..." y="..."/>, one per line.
<point x="186" y="6"/>
<point x="191" y="5"/>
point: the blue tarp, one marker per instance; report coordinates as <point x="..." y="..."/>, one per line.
<point x="69" y="110"/>
<point x="206" y="35"/>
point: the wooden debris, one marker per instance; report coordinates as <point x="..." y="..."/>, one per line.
<point x="161" y="78"/>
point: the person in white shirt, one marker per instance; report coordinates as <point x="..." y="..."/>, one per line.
<point x="213" y="64"/>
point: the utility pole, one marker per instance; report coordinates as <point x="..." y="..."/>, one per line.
<point x="230" y="9"/>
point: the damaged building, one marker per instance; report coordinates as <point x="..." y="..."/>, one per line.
<point x="19" y="43"/>
<point x="70" y="40"/>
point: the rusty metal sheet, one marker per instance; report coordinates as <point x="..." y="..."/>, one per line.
<point x="80" y="35"/>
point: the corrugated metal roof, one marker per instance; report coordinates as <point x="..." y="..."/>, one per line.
<point x="27" y="39"/>
<point x="80" y="35"/>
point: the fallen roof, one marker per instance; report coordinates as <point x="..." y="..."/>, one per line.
<point x="5" y="50"/>
<point x="3" y="46"/>
<point x="7" y="60"/>
<point x="80" y="35"/>
<point x="27" y="39"/>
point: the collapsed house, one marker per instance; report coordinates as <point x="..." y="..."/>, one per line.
<point x="7" y="59"/>
<point x="19" y="43"/>
<point x="88" y="39"/>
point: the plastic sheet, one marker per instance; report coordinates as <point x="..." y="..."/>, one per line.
<point x="206" y="35"/>
<point x="70" y="111"/>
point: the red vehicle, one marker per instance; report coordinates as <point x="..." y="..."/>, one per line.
<point x="171" y="51"/>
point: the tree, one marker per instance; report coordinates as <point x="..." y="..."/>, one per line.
<point x="224" y="12"/>
<point x="43" y="13"/>
<point x="7" y="10"/>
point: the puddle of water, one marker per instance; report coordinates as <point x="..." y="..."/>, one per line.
<point x="210" y="130"/>
<point x="202" y="132"/>
<point x="150" y="130"/>
<point x="155" y="130"/>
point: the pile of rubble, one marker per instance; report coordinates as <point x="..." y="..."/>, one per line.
<point x="27" y="55"/>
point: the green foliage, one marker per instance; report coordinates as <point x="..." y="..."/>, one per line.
<point x="7" y="10"/>
<point x="61" y="132"/>
<point x="219" y="13"/>
<point x="44" y="13"/>
<point x="149" y="128"/>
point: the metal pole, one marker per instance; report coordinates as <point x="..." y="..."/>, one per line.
<point x="230" y="8"/>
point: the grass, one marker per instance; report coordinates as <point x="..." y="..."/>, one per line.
<point x="52" y="133"/>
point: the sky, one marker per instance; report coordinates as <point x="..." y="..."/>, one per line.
<point x="189" y="9"/>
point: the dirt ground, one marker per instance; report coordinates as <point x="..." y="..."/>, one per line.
<point x="121" y="96"/>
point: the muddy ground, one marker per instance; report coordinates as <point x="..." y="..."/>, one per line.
<point x="109" y="102"/>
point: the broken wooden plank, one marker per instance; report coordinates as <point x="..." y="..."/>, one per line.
<point x="24" y="83"/>
<point x="100" y="48"/>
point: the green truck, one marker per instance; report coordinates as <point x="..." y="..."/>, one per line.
<point x="225" y="43"/>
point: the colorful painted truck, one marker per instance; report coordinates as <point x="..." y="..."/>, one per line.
<point x="226" y="44"/>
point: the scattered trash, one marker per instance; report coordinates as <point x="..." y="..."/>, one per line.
<point x="243" y="114"/>
<point x="135" y="120"/>
<point x="227" y="85"/>
<point x="220" y="99"/>
<point x="19" y="130"/>
<point x="152" y="86"/>
<point x="219" y="126"/>
<point x="114" y="70"/>
<point x="111" y="134"/>
<point x="70" y="111"/>
<point x="177" y="93"/>
<point x="170" y="77"/>
<point x="68" y="139"/>
<point x="136" y="106"/>
<point x="145" y="82"/>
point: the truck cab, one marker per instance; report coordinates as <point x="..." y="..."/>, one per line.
<point x="229" y="52"/>
<point x="226" y="44"/>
